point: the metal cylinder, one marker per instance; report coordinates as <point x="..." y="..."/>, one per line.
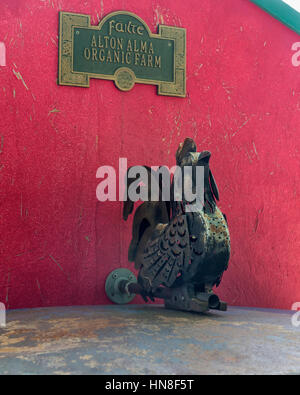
<point x="134" y="288"/>
<point x="212" y="300"/>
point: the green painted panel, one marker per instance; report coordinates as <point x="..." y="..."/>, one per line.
<point x="281" y="11"/>
<point x="123" y="41"/>
<point x="123" y="49"/>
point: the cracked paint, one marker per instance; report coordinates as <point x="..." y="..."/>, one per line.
<point x="101" y="340"/>
<point x="58" y="243"/>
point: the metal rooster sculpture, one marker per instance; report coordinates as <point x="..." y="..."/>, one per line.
<point x="180" y="254"/>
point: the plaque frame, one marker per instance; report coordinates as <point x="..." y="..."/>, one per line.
<point x="66" y="75"/>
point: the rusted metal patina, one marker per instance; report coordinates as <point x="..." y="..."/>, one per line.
<point x="139" y="340"/>
<point x="180" y="255"/>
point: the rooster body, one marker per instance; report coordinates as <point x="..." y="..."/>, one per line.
<point x="173" y="248"/>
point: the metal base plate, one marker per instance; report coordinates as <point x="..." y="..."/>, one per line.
<point x="112" y="285"/>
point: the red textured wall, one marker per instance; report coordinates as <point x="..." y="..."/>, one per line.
<point x="57" y="243"/>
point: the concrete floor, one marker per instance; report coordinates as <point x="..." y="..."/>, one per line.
<point x="148" y="339"/>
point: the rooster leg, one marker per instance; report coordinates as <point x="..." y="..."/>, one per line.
<point x="187" y="299"/>
<point x="184" y="298"/>
<point x="121" y="287"/>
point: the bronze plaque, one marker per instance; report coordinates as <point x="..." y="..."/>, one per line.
<point x="123" y="49"/>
